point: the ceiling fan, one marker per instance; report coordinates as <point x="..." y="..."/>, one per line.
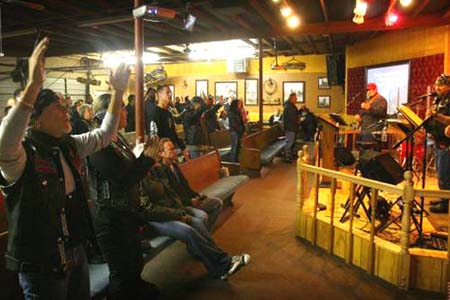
<point x="27" y="4"/>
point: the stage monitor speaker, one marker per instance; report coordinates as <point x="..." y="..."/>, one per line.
<point x="343" y="156"/>
<point x="380" y="166"/>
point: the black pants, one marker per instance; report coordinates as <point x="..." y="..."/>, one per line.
<point x="117" y="236"/>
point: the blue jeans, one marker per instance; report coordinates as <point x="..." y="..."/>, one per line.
<point x="290" y="140"/>
<point x="75" y="285"/>
<point x="443" y="169"/>
<point x="199" y="243"/>
<point x="209" y="210"/>
<point x="235" y="146"/>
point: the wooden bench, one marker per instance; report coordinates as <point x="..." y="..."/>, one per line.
<point x="259" y="148"/>
<point x="221" y="141"/>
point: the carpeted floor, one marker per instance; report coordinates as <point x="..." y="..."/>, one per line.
<point x="282" y="267"/>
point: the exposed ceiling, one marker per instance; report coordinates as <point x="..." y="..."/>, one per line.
<point x="77" y="26"/>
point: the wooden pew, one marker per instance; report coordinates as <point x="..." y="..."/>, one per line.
<point x="260" y="148"/>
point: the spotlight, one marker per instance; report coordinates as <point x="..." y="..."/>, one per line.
<point x="405" y="3"/>
<point x="286" y="11"/>
<point x="360" y="8"/>
<point x="275" y="1"/>
<point x="391" y="18"/>
<point x="358" y="19"/>
<point x="293" y="21"/>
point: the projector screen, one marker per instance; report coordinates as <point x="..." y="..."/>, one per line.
<point x="392" y="82"/>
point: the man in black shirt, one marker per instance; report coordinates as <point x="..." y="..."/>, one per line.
<point x="163" y="118"/>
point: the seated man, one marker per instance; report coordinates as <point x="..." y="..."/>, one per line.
<point x="169" y="173"/>
<point x="171" y="218"/>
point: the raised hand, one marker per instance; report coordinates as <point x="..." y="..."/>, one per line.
<point x="36" y="63"/>
<point x="119" y="77"/>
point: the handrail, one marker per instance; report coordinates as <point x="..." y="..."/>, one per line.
<point x="352" y="178"/>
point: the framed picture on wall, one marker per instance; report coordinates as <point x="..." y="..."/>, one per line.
<point x="251" y="92"/>
<point x="297" y="87"/>
<point x="323" y="83"/>
<point x="226" y="89"/>
<point x="201" y="88"/>
<point x="323" y="101"/>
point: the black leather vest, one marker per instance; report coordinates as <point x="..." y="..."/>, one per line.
<point x="34" y="203"/>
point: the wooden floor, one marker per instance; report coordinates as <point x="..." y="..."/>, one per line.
<point x="262" y="223"/>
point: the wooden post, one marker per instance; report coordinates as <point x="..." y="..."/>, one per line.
<point x="300" y="196"/>
<point x="333" y="200"/>
<point x="260" y="86"/>
<point x="405" y="260"/>
<point x="349" y="248"/>
<point x="372" y="249"/>
<point x="139" y="70"/>
<point x="316" y="202"/>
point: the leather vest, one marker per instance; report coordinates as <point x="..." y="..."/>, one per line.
<point x="34" y="204"/>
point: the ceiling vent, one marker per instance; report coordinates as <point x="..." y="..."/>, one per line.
<point x="237" y="65"/>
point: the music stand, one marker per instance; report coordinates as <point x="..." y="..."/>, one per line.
<point x="417" y="124"/>
<point x="338" y="119"/>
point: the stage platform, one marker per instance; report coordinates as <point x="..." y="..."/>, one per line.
<point x="382" y="255"/>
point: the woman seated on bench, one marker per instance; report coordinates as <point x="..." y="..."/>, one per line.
<point x="173" y="219"/>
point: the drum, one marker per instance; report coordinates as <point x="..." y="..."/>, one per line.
<point x="418" y="152"/>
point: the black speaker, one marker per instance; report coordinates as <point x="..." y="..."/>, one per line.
<point x="343" y="156"/>
<point x="380" y="166"/>
<point x="336" y="69"/>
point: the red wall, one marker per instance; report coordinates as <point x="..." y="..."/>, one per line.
<point x="423" y="72"/>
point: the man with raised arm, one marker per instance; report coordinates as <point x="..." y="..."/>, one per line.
<point x="42" y="179"/>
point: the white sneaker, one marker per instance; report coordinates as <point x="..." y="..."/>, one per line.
<point x="237" y="262"/>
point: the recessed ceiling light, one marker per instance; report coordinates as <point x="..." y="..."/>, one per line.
<point x="293" y="22"/>
<point x="286" y="11"/>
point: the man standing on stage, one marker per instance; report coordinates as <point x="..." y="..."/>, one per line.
<point x="442" y="88"/>
<point x="372" y="111"/>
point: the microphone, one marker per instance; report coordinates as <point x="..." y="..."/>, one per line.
<point x="432" y="94"/>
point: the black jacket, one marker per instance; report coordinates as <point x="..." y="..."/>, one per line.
<point x="236" y="122"/>
<point x="193" y="129"/>
<point x="163" y="203"/>
<point x="212" y="122"/>
<point x="165" y="124"/>
<point x="290" y="117"/>
<point x="35" y="202"/>
<point x="130" y="118"/>
<point x="118" y="175"/>
<point x="177" y="182"/>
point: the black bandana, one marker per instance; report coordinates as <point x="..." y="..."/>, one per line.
<point x="44" y="99"/>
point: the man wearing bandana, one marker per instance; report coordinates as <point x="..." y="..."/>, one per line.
<point x="438" y="127"/>
<point x="42" y="177"/>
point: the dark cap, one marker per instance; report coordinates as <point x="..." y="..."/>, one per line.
<point x="371" y="86"/>
<point x="443" y="79"/>
<point x="44" y="99"/>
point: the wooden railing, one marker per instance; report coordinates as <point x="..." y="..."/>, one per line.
<point x="406" y="191"/>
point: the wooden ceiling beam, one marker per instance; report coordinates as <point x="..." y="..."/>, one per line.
<point x="256" y="4"/>
<point x="311" y="43"/>
<point x="373" y="24"/>
<point x="420" y="8"/>
<point x="243" y="23"/>
<point x="206" y="17"/>
<point x="294" y="46"/>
